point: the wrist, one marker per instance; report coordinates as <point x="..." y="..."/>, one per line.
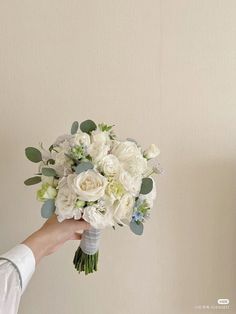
<point x="38" y="242"/>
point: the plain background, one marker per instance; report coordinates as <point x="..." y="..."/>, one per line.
<point x="163" y="72"/>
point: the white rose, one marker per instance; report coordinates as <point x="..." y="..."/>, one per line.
<point x="89" y="185"/>
<point x="152" y="152"/>
<point x="110" y="165"/>
<point x="97" y="219"/>
<point x="131" y="184"/>
<point x="80" y="138"/>
<point x="150" y="197"/>
<point x="97" y="151"/>
<point x="66" y="200"/>
<point x="124" y="209"/>
<point x="130" y="157"/>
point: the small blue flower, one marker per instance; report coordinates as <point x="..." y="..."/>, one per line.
<point x="137" y="216"/>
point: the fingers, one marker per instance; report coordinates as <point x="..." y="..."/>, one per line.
<point x="81" y="225"/>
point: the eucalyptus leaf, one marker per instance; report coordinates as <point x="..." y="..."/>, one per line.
<point x="32" y="180"/>
<point x="49" y="172"/>
<point x="136" y="228"/>
<point x="88" y="126"/>
<point x="83" y="166"/>
<point x="147" y="186"/>
<point x="48" y="208"/>
<point x="131" y="140"/>
<point x="33" y="154"/>
<point x="74" y="127"/>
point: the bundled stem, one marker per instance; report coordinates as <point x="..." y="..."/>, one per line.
<point x="84" y="262"/>
<point x="86" y="256"/>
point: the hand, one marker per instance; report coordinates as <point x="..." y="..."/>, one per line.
<point x="52" y="235"/>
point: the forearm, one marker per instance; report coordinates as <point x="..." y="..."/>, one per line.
<point x="39" y="243"/>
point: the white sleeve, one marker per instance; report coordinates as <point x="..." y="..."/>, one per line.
<point x="16" y="268"/>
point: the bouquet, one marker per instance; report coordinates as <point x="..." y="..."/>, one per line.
<point x="89" y="174"/>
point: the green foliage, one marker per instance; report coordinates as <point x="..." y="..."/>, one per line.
<point x="88" y="126"/>
<point x="32" y="181"/>
<point x="33" y="154"/>
<point x="104" y="127"/>
<point x="143" y="208"/>
<point x="132" y="140"/>
<point x="83" y="166"/>
<point x="84" y="262"/>
<point x="74" y="127"/>
<point x="147" y="186"/>
<point x="49" y="172"/>
<point x="136" y="227"/>
<point x="48" y="208"/>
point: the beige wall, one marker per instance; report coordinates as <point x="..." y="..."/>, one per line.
<point x="164" y="72"/>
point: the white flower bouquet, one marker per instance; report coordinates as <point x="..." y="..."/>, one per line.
<point x="91" y="175"/>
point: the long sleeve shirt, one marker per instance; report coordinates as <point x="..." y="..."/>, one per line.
<point x="16" y="268"/>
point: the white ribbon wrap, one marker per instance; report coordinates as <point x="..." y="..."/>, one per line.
<point x="90" y="241"/>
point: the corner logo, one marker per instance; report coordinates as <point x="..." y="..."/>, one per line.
<point x="223" y="301"/>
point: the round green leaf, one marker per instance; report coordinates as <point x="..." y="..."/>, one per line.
<point x="49" y="172"/>
<point x="83" y="166"/>
<point x="74" y="127"/>
<point x="32" y="180"/>
<point x="88" y="126"/>
<point x="48" y="208"/>
<point x="147" y="186"/>
<point x="33" y="154"/>
<point x="137" y="228"/>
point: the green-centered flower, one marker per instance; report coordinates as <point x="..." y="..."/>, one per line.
<point x="79" y="204"/>
<point x="77" y="152"/>
<point x="46" y="191"/>
<point x="115" y="189"/>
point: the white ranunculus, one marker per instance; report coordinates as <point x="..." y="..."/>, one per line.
<point x="89" y="185"/>
<point x="150" y="197"/>
<point x="97" y="151"/>
<point x="80" y="138"/>
<point x="124" y="150"/>
<point x="152" y="152"/>
<point x="130" y="157"/>
<point x="124" y="209"/>
<point x="63" y="163"/>
<point x="110" y="165"/>
<point x="131" y="184"/>
<point x="135" y="166"/>
<point x="97" y="219"/>
<point x="66" y="200"/>
<point x="101" y="137"/>
<point x="62" y="138"/>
